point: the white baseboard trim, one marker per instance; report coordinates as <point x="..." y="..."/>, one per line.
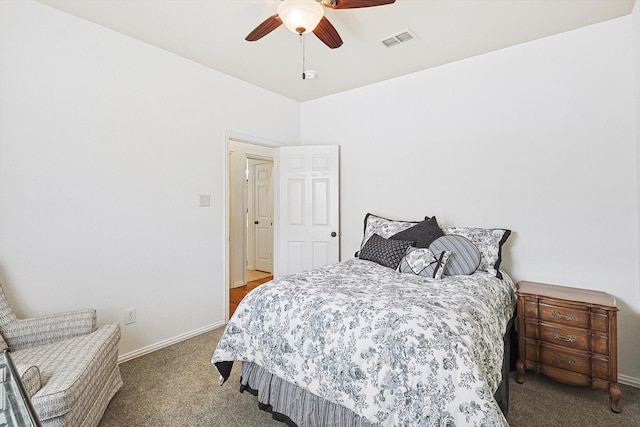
<point x="166" y="343"/>
<point x="627" y="380"/>
<point x="238" y="284"/>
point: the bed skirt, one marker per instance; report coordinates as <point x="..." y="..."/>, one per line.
<point x="301" y="407"/>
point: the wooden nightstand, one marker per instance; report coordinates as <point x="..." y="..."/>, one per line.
<point x="569" y="335"/>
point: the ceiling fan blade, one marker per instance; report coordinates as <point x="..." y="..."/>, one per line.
<point x="268" y="25"/>
<point x="327" y="33"/>
<point x="352" y="4"/>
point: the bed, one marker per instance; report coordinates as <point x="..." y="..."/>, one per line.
<point x="361" y="343"/>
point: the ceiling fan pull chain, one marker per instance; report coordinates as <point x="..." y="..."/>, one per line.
<point x="302" y="41"/>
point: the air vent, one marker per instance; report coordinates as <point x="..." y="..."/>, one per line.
<point x="398" y="38"/>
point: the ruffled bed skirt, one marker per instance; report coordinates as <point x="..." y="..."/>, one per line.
<point x="302" y="408"/>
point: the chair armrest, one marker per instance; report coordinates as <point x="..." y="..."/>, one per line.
<point x="35" y="331"/>
<point x="30" y="377"/>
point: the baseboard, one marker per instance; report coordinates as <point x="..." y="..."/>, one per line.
<point x="632" y="381"/>
<point x="168" y="342"/>
<point x="238" y="284"/>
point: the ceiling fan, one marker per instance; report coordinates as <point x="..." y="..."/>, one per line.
<point x="305" y="16"/>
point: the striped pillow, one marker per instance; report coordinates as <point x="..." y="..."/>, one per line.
<point x="465" y="256"/>
<point x="489" y="242"/>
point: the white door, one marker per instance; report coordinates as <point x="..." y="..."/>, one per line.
<point x="263" y="216"/>
<point x="308" y="208"/>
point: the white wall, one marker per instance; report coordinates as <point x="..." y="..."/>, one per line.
<point x="105" y="145"/>
<point x="538" y="138"/>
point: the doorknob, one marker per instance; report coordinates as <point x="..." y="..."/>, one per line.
<point x="255" y="222"/>
<point x="333" y="234"/>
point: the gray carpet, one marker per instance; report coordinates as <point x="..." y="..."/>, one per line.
<point x="178" y="386"/>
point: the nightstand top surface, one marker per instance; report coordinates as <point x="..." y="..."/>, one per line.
<point x="567" y="293"/>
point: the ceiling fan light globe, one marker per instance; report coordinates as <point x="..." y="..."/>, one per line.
<point x="300" y="16"/>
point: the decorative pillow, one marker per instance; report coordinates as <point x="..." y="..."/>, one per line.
<point x="489" y="241"/>
<point x="383" y="227"/>
<point x="465" y="257"/>
<point x="423" y="233"/>
<point x="423" y="262"/>
<point x="384" y="251"/>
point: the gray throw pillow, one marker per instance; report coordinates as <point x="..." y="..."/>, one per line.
<point x="423" y="233"/>
<point x="465" y="256"/>
<point x="374" y="224"/>
<point x="384" y="251"/>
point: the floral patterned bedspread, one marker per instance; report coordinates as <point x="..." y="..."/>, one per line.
<point x="397" y="349"/>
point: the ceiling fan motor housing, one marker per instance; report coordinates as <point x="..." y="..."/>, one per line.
<point x="300" y="16"/>
<point x="305" y="16"/>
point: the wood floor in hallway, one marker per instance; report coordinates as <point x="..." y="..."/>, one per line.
<point x="254" y="279"/>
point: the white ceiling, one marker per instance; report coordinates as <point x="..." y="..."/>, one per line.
<point x="212" y="32"/>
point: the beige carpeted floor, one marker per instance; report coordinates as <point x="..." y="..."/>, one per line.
<point x="178" y="386"/>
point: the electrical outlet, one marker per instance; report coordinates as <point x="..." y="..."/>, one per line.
<point x="130" y="316"/>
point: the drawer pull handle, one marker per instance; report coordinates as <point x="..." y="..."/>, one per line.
<point x="569" y="316"/>
<point x="557" y="358"/>
<point x="568" y="338"/>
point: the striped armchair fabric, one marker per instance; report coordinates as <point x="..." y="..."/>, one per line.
<point x="77" y="363"/>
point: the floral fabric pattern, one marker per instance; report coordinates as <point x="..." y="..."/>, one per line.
<point x="489" y="242"/>
<point x="383" y="227"/>
<point x="396" y="349"/>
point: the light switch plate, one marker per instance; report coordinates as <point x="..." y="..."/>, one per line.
<point x="205" y="200"/>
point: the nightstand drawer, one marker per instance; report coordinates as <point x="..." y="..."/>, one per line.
<point x="565" y="316"/>
<point x="600" y="321"/>
<point x="600" y="368"/>
<point x="600" y="344"/>
<point x="576" y="362"/>
<point x="567" y="337"/>
<point x="570" y="335"/>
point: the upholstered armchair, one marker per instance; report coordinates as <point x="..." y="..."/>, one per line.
<point x="69" y="366"/>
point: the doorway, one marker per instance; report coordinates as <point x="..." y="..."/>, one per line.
<point x="311" y="170"/>
<point x="251" y="200"/>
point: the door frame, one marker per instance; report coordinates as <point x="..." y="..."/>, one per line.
<point x="254" y="140"/>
